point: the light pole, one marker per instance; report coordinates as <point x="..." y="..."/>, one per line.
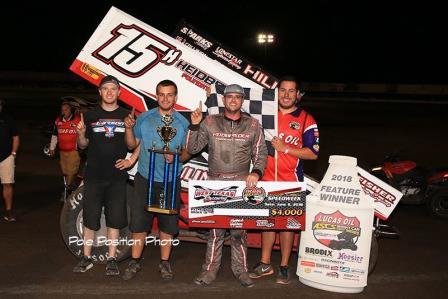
<point x="264" y="39"/>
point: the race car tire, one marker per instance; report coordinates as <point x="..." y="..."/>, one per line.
<point x="373" y="259"/>
<point x="71" y="226"/>
<point x="437" y="202"/>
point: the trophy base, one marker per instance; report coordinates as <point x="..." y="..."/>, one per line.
<point x="156" y="209"/>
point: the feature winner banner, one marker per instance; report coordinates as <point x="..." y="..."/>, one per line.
<point x="141" y="56"/>
<point x="191" y="37"/>
<point x="229" y="204"/>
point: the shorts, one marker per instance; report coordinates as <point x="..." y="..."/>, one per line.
<point x="108" y="194"/>
<point x="7" y="167"/>
<point x="141" y="220"/>
<point x="69" y="162"/>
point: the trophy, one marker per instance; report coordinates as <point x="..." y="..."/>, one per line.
<point x="161" y="205"/>
<point x="167" y="132"/>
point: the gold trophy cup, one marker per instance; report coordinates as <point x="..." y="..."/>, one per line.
<point x="167" y="132"/>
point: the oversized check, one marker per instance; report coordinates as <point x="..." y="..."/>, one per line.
<point x="229" y="204"/>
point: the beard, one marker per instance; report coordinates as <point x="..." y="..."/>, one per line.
<point x="288" y="106"/>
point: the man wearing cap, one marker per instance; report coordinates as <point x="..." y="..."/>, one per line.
<point x="102" y="130"/>
<point x="234" y="140"/>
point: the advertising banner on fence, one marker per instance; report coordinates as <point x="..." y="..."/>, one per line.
<point x="335" y="246"/>
<point x="229" y="204"/>
<point x="140" y="56"/>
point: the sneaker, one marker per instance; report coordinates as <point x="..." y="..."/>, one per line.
<point x="205" y="278"/>
<point x="83" y="265"/>
<point x="134" y="266"/>
<point x="283" y="275"/>
<point x="165" y="270"/>
<point x="245" y="280"/>
<point x="9" y="216"/>
<point x="261" y="269"/>
<point x="112" y="267"/>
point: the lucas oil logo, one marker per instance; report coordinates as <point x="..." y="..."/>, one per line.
<point x="211" y="195"/>
<point x="108" y="126"/>
<point x="336" y="231"/>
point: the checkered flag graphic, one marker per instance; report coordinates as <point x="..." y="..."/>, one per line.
<point x="260" y="103"/>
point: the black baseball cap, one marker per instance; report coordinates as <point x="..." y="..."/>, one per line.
<point x="110" y="79"/>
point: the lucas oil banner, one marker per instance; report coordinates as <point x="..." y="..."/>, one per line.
<point x="141" y="56"/>
<point x="229" y="204"/>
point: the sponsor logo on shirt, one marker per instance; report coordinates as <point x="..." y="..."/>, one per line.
<point x="108" y="126"/>
<point x="294" y="125"/>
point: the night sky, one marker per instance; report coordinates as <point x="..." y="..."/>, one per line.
<point x="320" y="41"/>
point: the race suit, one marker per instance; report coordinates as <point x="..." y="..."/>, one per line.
<point x="232" y="146"/>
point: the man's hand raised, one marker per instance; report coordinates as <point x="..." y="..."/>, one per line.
<point x="129" y="121"/>
<point x="81" y="127"/>
<point x="196" y="115"/>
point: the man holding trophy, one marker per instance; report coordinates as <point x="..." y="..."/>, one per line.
<point x="234" y="140"/>
<point x="161" y="134"/>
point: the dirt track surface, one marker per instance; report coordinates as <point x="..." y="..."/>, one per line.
<point x="36" y="263"/>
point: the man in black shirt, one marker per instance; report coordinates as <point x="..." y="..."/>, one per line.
<point x="9" y="144"/>
<point x="102" y="129"/>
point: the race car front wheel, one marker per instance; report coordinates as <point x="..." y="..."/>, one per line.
<point x="71" y="224"/>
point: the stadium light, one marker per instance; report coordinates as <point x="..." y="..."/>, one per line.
<point x="265" y="39"/>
